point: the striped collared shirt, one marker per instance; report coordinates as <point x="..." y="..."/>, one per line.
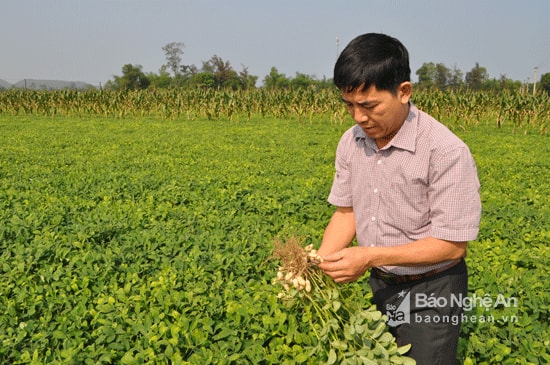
<point x="422" y="183"/>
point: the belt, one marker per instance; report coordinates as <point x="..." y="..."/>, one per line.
<point x="393" y="279"/>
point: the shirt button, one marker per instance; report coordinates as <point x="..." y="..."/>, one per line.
<point x="376" y="191"/>
<point x="373" y="219"/>
<point x="372" y="245"/>
<point x="379" y="162"/>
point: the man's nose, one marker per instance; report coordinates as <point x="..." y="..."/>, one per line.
<point x="359" y="115"/>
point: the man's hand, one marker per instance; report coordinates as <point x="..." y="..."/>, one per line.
<point x="346" y="265"/>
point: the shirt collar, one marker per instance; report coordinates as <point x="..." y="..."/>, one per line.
<point x="404" y="139"/>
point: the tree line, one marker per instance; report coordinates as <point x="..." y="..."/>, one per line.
<point x="217" y="73"/>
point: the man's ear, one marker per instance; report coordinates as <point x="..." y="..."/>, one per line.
<point x="405" y="92"/>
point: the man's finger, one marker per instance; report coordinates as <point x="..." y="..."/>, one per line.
<point x="336" y="256"/>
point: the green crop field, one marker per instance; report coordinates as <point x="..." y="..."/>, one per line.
<point x="147" y="240"/>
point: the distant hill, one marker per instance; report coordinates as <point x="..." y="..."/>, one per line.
<point x="34" y="84"/>
<point x="4" y="84"/>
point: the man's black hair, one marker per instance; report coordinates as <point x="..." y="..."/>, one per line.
<point x="372" y="59"/>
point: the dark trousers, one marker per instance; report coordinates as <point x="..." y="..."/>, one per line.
<point x="425" y="313"/>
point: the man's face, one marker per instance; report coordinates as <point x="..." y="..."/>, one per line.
<point x="379" y="112"/>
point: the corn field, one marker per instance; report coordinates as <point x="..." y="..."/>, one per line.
<point x="456" y="109"/>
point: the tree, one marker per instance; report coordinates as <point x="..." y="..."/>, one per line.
<point x="276" y="80"/>
<point x="434" y="75"/>
<point x="189" y="70"/>
<point x="545" y="82"/>
<point x="217" y="73"/>
<point x="302" y="81"/>
<point x="187" y="76"/>
<point x="203" y="79"/>
<point x="442" y="76"/>
<point x="224" y="75"/>
<point x="132" y="78"/>
<point x="222" y="70"/>
<point x="456" y="79"/>
<point x="173" y="52"/>
<point x="476" y="77"/>
<point x="162" y="80"/>
<point x="426" y="75"/>
<point x="247" y="81"/>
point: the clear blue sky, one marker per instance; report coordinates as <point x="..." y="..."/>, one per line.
<point x="90" y="40"/>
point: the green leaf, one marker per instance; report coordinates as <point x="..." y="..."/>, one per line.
<point x="372" y="314"/>
<point x="386" y="338"/>
<point x="403" y="349"/>
<point x="380" y="351"/>
<point x="379" y="330"/>
<point x="396" y="360"/>
<point x="225" y="332"/>
<point x="58" y="334"/>
<point x="332" y="357"/>
<point x="408" y="360"/>
<point x="339" y="345"/>
<point x="367" y="361"/>
<point x="301" y="357"/>
<point x="233" y="357"/>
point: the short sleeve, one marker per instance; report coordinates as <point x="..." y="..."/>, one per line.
<point x="341" y="191"/>
<point x="453" y="194"/>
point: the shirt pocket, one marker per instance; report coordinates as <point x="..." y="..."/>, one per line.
<point x="407" y="206"/>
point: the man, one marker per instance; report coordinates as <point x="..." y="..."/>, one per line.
<point x="406" y="189"/>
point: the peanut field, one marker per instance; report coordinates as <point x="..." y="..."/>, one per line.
<point x="139" y="227"/>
